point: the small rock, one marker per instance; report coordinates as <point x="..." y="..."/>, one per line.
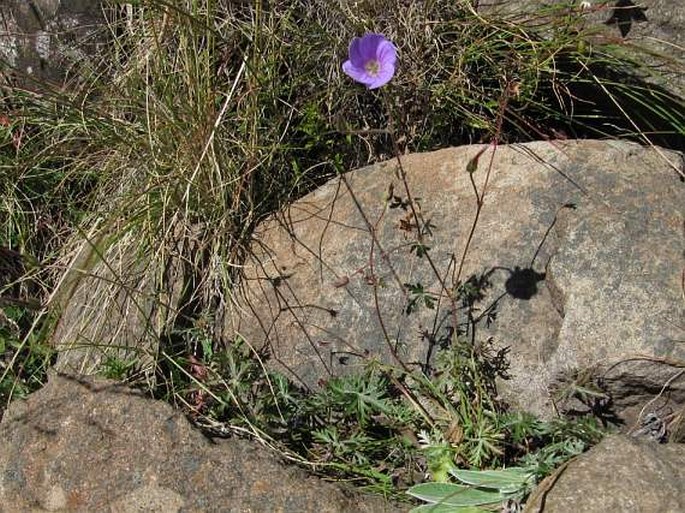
<point x="621" y="474"/>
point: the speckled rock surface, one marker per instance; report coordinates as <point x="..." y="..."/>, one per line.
<point x="581" y="243"/>
<point x="663" y="31"/>
<point x="42" y="40"/>
<point x="620" y="474"/>
<point x="92" y="446"/>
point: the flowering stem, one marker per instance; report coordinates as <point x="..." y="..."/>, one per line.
<point x="419" y="221"/>
<point x="480" y="197"/>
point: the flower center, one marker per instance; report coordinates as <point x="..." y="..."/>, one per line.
<point x="372" y="67"/>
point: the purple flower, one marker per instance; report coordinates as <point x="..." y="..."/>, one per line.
<point x="372" y="60"/>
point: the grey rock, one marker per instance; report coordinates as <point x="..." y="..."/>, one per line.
<point x="620" y="474"/>
<point x="662" y="34"/>
<point x="602" y="222"/>
<point x="649" y="391"/>
<point x="82" y="445"/>
<point x="42" y="41"/>
<point x="113" y="306"/>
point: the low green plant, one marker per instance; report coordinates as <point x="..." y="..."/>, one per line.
<point x="354" y="427"/>
<point x="537" y="447"/>
<point x="476" y="492"/>
<point x="365" y="426"/>
<point x="117" y="368"/>
<point x="543" y="446"/>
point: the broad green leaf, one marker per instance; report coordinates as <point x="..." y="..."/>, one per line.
<point x="441" y="508"/>
<point x="509" y="480"/>
<point x="450" y="494"/>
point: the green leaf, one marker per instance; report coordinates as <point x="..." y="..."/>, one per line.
<point x="364" y="395"/>
<point x="450" y="494"/>
<point x="442" y="508"/>
<point x="507" y="481"/>
<point x="207" y="348"/>
<point x="472" y="166"/>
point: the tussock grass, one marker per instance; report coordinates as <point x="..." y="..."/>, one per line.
<point x="131" y="199"/>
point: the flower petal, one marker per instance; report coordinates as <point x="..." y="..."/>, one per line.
<point x="355" y="53"/>
<point x="386" y="54"/>
<point x="383" y="77"/>
<point x="369" y="45"/>
<point x="358" y="74"/>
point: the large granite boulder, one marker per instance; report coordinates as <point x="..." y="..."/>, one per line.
<point x="578" y="247"/>
<point x="620" y="474"/>
<point x="86" y="445"/>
